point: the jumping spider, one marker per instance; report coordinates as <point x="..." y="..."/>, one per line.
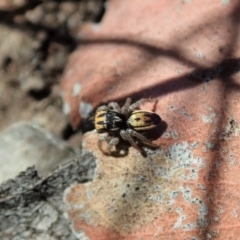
<point x="125" y="122"/>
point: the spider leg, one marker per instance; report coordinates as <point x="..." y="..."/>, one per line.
<point x="125" y="107"/>
<point x="114" y="106"/>
<point x="104" y="107"/>
<point x="111" y="141"/>
<point x="103" y="138"/>
<point x="127" y="137"/>
<point x="139" y="102"/>
<point x="140" y="137"/>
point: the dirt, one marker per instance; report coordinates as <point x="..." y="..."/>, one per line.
<point x="36" y="40"/>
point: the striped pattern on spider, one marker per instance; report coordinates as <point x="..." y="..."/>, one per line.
<point x="124" y="122"/>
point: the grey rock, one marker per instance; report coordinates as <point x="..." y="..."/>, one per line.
<point x="26" y="144"/>
<point x="32" y="207"/>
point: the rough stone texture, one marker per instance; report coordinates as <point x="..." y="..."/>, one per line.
<point x="186" y="54"/>
<point x="175" y="192"/>
<point x="160" y="49"/>
<point x="26" y="144"/>
<point x="132" y="196"/>
<point x="31" y="207"/>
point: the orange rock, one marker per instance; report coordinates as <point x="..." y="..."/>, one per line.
<point x="186" y="54"/>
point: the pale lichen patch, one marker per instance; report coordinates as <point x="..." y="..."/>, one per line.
<point x="199" y="54"/>
<point x="224" y="2"/>
<point x="231" y="130"/>
<point x="190" y="226"/>
<point x="171" y="134"/>
<point x="76" y="89"/>
<point x="134" y="191"/>
<point x="235" y="213"/>
<point x="80" y="235"/>
<point x="194" y="145"/>
<point x="66" y="108"/>
<point x="180" y="219"/>
<point x="85" y="109"/>
<point x="209" y="146"/>
<point x="208" y="118"/>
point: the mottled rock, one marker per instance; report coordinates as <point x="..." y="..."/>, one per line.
<point x="186" y="54"/>
<point x="31" y="207"/>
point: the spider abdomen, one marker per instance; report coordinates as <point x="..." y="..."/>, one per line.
<point x="141" y="120"/>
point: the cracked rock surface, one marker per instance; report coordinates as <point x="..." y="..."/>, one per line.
<point x="32" y="207"/>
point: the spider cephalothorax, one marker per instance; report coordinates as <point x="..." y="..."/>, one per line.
<point x="125" y="123"/>
<point x="107" y="120"/>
